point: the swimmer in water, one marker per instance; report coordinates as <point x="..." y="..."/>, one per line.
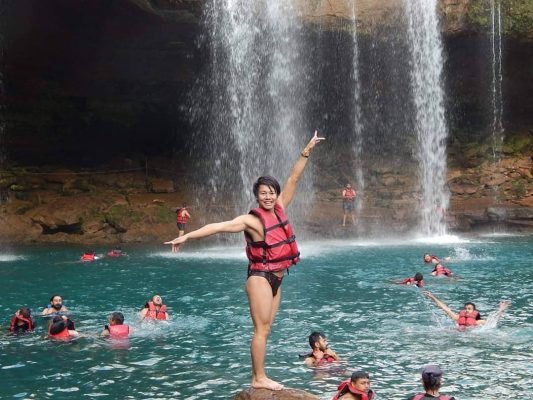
<point x="417" y="280"/>
<point x="468" y="316"/>
<point x="55" y="307"/>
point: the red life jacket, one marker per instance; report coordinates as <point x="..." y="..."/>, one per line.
<point x="118" y="331"/>
<point x="114" y="253"/>
<point x="63" y="335"/>
<point x="181" y="217"/>
<point x="421" y="396"/>
<point x="155" y="313"/>
<point x="467" y="320"/>
<point x="345" y="387"/>
<point x="441" y="270"/>
<point x="13" y="323"/>
<point x="278" y="251"/>
<point x="326" y="359"/>
<point x="87" y="257"/>
<point x="412" y="281"/>
<point x="349" y="194"/>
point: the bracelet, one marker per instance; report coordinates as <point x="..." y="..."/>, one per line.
<point x="304" y="155"/>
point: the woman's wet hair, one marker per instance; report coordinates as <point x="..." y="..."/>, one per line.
<point x="419" y="276"/>
<point x="470" y="304"/>
<point x="267" y="181"/>
<point x="118" y="318"/>
<point x="25" y="312"/>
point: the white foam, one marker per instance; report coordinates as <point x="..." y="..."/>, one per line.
<point x="10" y="257"/>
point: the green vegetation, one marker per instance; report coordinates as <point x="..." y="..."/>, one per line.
<point x="517" y="16"/>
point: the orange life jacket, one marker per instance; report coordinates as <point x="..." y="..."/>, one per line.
<point x="118" y="331"/>
<point x="345" y="387"/>
<point x="63" y="335"/>
<point x="154" y="313"/>
<point x="467" y="319"/>
<point x="278" y="250"/>
<point x="88" y="257"/>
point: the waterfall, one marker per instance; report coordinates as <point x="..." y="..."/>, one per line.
<point x="255" y="85"/>
<point x="497" y="99"/>
<point x="357" y="117"/>
<point x="430" y="124"/>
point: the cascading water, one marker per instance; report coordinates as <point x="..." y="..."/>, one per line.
<point x="357" y="125"/>
<point x="497" y="99"/>
<point x="431" y="130"/>
<point x="256" y="85"/>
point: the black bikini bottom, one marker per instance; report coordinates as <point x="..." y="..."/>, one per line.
<point x="272" y="278"/>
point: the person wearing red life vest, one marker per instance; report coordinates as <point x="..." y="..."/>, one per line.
<point x="182" y="217"/>
<point x="441" y="270"/>
<point x="116" y="328"/>
<point x="321" y="354"/>
<point x="155" y="309"/>
<point x="432" y="381"/>
<point x="348" y="203"/>
<point x="88" y="256"/>
<point x="62" y="328"/>
<point x="469" y="316"/>
<point x="355" y="388"/>
<point x="417" y="280"/>
<point x="22" y="321"/>
<point x="271" y="250"/>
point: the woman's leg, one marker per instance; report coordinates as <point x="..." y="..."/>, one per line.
<point x="263" y="309"/>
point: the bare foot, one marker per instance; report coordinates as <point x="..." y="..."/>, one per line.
<point x="266" y="383"/>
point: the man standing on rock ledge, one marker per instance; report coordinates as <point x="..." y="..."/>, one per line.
<point x="271" y="250"/>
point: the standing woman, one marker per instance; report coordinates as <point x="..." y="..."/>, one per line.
<point x="271" y="250"/>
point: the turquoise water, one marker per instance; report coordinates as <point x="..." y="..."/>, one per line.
<point x="339" y="287"/>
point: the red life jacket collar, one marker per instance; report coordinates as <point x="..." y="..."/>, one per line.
<point x="346" y="387"/>
<point x="421" y="396"/>
<point x="63" y="335"/>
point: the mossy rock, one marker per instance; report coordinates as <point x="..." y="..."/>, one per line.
<point x="122" y="216"/>
<point x="518" y="144"/>
<point x="517" y="16"/>
<point x="163" y="215"/>
<point x="18" y="188"/>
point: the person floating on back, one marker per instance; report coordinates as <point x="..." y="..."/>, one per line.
<point x="417" y="280"/>
<point x="320" y="354"/>
<point x="22" y="321"/>
<point x="469" y="316"/>
<point x="355" y="388"/>
<point x="271" y="250"/>
<point x="116" y="252"/>
<point x="441" y="270"/>
<point x="116" y="328"/>
<point x="432" y="381"/>
<point x="154" y="309"/>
